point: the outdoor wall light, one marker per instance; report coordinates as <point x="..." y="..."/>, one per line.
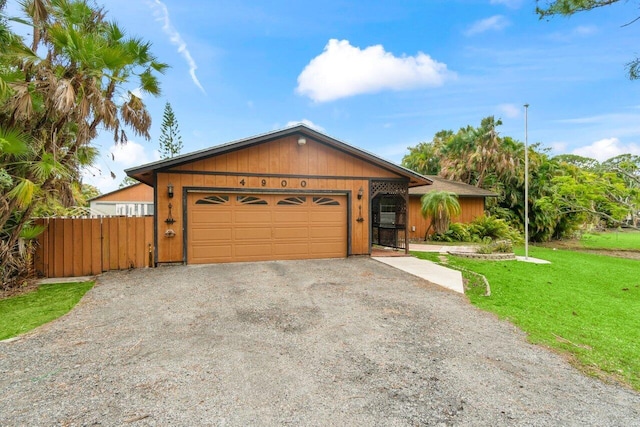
<point x="170" y="190"/>
<point x="360" y="192"/>
<point x="301" y="141"/>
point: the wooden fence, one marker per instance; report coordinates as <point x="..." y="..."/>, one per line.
<point x="71" y="247"/>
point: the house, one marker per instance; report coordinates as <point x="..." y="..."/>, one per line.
<point x="472" y="203"/>
<point x="134" y="200"/>
<point x="288" y="194"/>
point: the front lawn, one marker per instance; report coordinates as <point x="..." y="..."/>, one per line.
<point x="25" y="312"/>
<point x="584" y="304"/>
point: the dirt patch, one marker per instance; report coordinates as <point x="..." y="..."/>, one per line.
<point x="575" y="245"/>
<point x="325" y="342"/>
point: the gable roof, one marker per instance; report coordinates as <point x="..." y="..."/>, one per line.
<point x="459" y="188"/>
<point x="145" y="172"/>
<point x="122" y="191"/>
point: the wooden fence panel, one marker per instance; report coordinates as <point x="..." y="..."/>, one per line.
<point x="96" y="250"/>
<point x="71" y="247"/>
<point x="67" y="246"/>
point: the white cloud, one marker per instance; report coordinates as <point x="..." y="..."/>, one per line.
<point x="162" y="14"/>
<point x="132" y="154"/>
<point x="510" y="111"/>
<point x="511" y="4"/>
<point x="493" y="23"/>
<point x="607" y="148"/>
<point x="307" y="123"/>
<point x="342" y="70"/>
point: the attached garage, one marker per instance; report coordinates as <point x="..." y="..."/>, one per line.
<point x="289" y="194"/>
<point x="230" y="227"/>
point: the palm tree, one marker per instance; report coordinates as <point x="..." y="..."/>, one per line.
<point x="479" y="156"/>
<point x="64" y="88"/>
<point x="439" y="207"/>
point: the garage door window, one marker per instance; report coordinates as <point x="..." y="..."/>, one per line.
<point x="328" y="201"/>
<point x="292" y="201"/>
<point x="213" y="200"/>
<point x="251" y="200"/>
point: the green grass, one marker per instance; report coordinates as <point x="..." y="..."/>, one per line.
<point x="583" y="304"/>
<point x="23" y="313"/>
<point x="429" y="256"/>
<point x="621" y="240"/>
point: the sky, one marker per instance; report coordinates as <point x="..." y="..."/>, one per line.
<point x="382" y="75"/>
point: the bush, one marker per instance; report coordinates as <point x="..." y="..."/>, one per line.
<point x="457" y="232"/>
<point x="482" y="229"/>
<point x="484" y="249"/>
<point x="493" y="228"/>
<point x="503" y="246"/>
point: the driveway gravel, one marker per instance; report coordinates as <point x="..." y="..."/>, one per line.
<point x="318" y="343"/>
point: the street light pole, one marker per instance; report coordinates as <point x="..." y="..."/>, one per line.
<point x="526" y="182"/>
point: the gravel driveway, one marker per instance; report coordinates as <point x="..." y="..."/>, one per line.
<point x="326" y="342"/>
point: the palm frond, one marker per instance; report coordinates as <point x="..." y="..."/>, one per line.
<point x="23" y="193"/>
<point x="30" y="231"/>
<point x="13" y="142"/>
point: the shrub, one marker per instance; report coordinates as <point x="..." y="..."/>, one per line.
<point x="499" y="246"/>
<point x="493" y="228"/>
<point x="503" y="246"/>
<point x="485" y="249"/>
<point x="482" y="229"/>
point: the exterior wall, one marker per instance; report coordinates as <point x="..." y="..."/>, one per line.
<point x="279" y="165"/>
<point x="99" y="208"/>
<point x="136" y="200"/>
<point x="133" y="194"/>
<point x="470" y="208"/>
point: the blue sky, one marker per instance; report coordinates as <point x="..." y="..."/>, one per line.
<point x="384" y="75"/>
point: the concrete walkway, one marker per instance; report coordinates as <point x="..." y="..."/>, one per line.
<point x="434" y="273"/>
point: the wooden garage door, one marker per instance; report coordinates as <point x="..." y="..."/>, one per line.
<point x="259" y="227"/>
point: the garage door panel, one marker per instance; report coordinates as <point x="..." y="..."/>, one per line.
<point x="252" y="233"/>
<point x="291" y="249"/>
<point x="256" y="227"/>
<point x="320" y="233"/>
<point x="204" y="253"/>
<point x="291" y="233"/>
<point x="327" y="249"/>
<point x="211" y="234"/>
<point x="248" y="217"/>
<point x="293" y="215"/>
<point x="212" y="215"/>
<point x="252" y="249"/>
<point x="329" y="215"/>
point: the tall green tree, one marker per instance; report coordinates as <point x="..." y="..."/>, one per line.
<point x="424" y="158"/>
<point x="62" y="87"/>
<point x="546" y="9"/>
<point x="170" y="139"/>
<point x="440" y="207"/>
<point x="479" y="156"/>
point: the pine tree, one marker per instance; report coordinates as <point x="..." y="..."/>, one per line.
<point x="170" y="139"/>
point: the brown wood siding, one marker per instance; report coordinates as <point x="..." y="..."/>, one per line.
<point x="470" y="207"/>
<point x="279" y="165"/>
<point x="136" y="193"/>
<point x="71" y="247"/>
